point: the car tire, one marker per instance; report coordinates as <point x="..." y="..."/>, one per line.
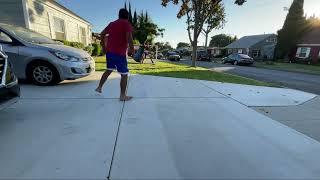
<point x="235" y="63"/>
<point x="43" y="74"/>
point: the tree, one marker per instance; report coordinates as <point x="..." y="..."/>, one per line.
<point x="146" y="17"/>
<point x="164" y="47"/>
<point x="292" y="29"/>
<point x="215" y="21"/>
<point x="182" y="45"/>
<point x="130" y="14"/>
<point x="146" y="30"/>
<point x="135" y="19"/>
<point x="197" y="12"/>
<point x="221" y="40"/>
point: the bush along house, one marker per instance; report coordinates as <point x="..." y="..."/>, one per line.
<point x="257" y="46"/>
<point x="308" y="47"/>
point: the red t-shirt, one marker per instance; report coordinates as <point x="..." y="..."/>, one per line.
<point x="117" y="36"/>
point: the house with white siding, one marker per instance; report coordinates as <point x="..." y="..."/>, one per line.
<point x="47" y="17"/>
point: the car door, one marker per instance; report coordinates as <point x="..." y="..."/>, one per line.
<point x="11" y="48"/>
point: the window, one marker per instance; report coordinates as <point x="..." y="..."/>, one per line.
<point x="243" y="56"/>
<point x="59" y="29"/>
<point x="274" y="40"/>
<point x="303" y="52"/>
<point x="229" y="51"/>
<point x="5" y="38"/>
<point x="83" y="35"/>
<point x="239" y="51"/>
<point x="256" y="53"/>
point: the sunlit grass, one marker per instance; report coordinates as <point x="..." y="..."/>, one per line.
<point x="168" y="69"/>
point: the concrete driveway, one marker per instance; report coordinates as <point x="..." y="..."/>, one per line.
<point x="304" y="82"/>
<point x="173" y="129"/>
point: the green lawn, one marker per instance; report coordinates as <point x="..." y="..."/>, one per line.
<point x="167" y="69"/>
<point x="303" y="68"/>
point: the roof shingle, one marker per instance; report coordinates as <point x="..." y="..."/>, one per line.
<point x="248" y="41"/>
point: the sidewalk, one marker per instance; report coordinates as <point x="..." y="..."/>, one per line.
<point x="173" y="129"/>
<point x="304" y="118"/>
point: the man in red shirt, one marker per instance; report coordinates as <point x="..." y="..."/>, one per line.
<point x="115" y="39"/>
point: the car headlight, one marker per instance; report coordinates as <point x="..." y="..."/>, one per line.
<point x="64" y="56"/>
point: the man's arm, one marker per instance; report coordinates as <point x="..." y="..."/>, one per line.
<point x="130" y="41"/>
<point x="104" y="39"/>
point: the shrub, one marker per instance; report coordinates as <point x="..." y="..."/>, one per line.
<point x="97" y="49"/>
<point x="67" y="43"/>
<point x="72" y="44"/>
<point x="77" y="45"/>
<point x="89" y="49"/>
<point x="102" y="53"/>
<point x="136" y="42"/>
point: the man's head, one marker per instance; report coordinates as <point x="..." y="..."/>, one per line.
<point x="123" y="14"/>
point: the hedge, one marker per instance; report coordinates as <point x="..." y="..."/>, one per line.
<point x="97" y="49"/>
<point x="94" y="49"/>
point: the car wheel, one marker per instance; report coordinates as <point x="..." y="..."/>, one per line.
<point x="43" y="74"/>
<point x="235" y="63"/>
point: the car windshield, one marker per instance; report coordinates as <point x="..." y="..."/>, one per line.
<point x="244" y="56"/>
<point x="27" y="35"/>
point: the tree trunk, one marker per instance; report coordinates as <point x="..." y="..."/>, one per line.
<point x="194" y="53"/>
<point x="206" y="45"/>
<point x="195" y="36"/>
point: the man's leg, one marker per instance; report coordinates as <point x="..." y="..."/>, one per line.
<point x="123" y="87"/>
<point x="152" y="60"/>
<point x="103" y="79"/>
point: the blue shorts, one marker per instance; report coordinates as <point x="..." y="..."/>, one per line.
<point x="117" y="62"/>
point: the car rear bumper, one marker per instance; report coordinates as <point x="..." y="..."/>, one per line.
<point x="9" y="94"/>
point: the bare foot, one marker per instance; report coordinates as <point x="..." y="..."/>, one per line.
<point x="99" y="90"/>
<point x="125" y="98"/>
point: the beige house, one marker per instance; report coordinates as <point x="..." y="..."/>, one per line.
<point x="47" y="17"/>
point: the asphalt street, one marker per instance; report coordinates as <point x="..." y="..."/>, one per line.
<point x="300" y="81"/>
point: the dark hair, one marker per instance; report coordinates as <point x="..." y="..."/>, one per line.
<point x="123" y="14"/>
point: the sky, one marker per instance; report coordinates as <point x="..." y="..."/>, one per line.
<point x="254" y="17"/>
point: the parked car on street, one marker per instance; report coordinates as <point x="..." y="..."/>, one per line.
<point x="9" y="88"/>
<point x="42" y="60"/>
<point x="173" y="56"/>
<point x="203" y="56"/>
<point x="238" y="59"/>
